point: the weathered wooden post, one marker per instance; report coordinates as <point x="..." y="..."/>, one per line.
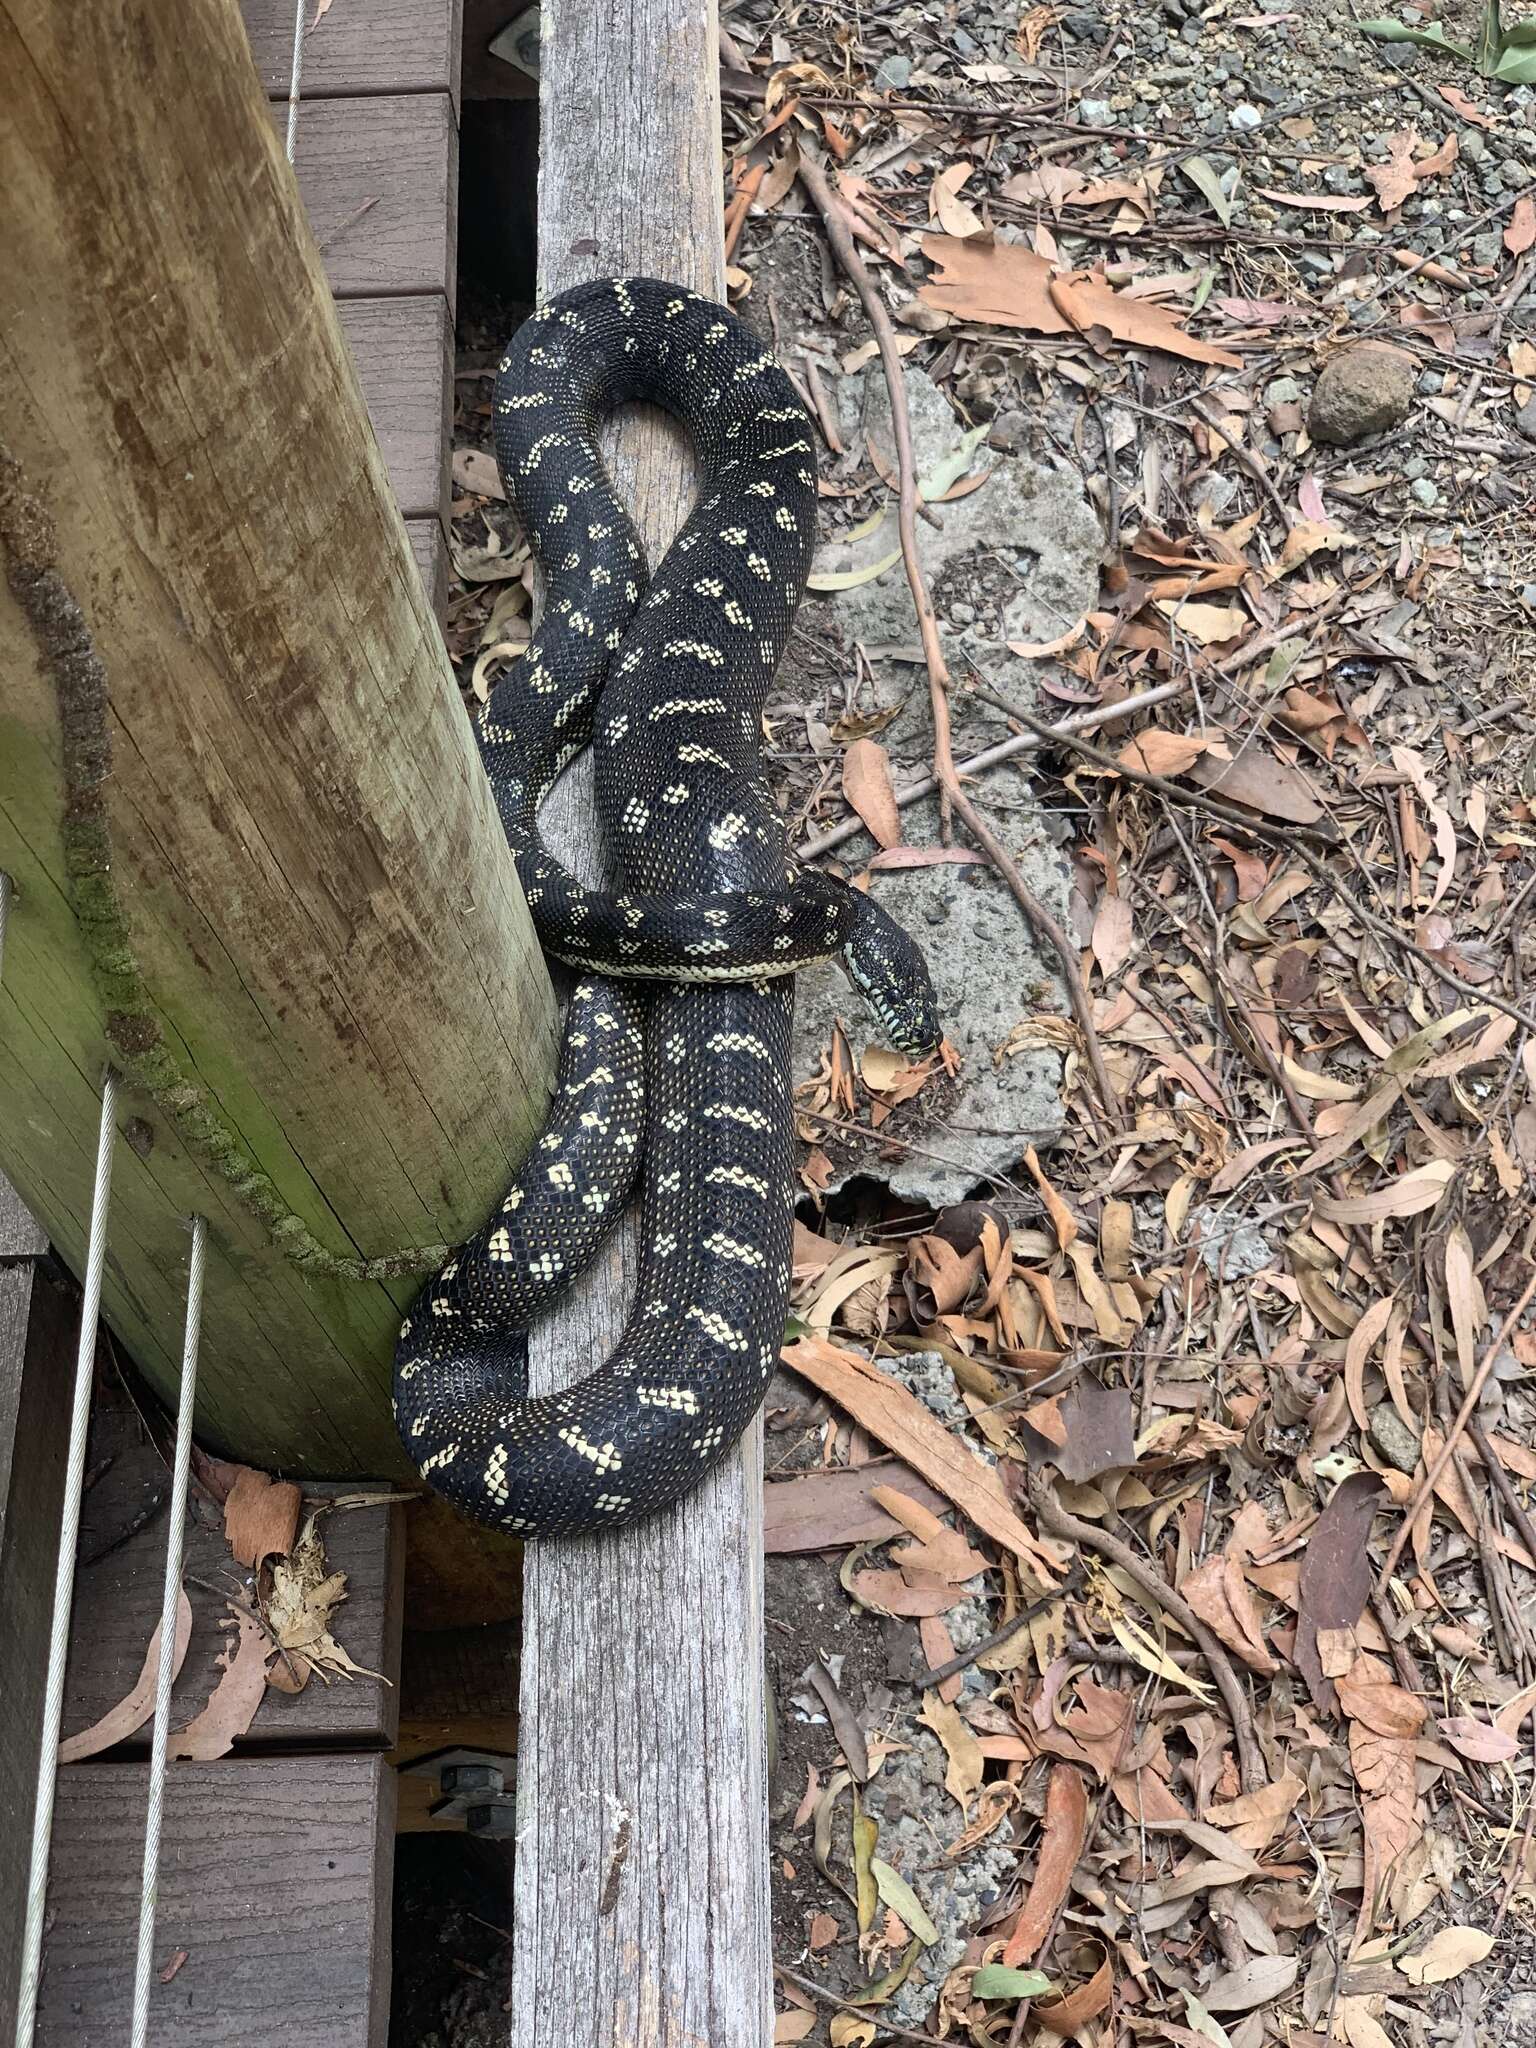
<point x="256" y="865"/>
<point x="641" y="1888"/>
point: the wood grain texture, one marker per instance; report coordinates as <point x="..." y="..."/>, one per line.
<point x="37" y="1344"/>
<point x="21" y="1235"/>
<point x="326" y="932"/>
<point x="641" y="1888"/>
<point x="430" y="550"/>
<point x="385" y="46"/>
<point x="380" y="182"/>
<point x="403" y="349"/>
<point x="274" y="1877"/>
<point x="117" y="1607"/>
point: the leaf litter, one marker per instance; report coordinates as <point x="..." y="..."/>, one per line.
<point x="1231" y="1771"/>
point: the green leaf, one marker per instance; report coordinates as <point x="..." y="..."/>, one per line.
<point x="901" y="1899"/>
<point x="1282" y="661"/>
<point x="996" y="1980"/>
<point x="850" y="579"/>
<point x="1399" y="32"/>
<point x="953" y="466"/>
<point x="1203" y="176"/>
<point x="1517" y="67"/>
<point x="1488" y="46"/>
<point x="1522" y="34"/>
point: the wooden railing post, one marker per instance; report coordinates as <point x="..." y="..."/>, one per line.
<point x="256" y="864"/>
<point x="641" y="1886"/>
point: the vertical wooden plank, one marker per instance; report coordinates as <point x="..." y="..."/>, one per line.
<point x="641" y="1892"/>
<point x="36" y="1337"/>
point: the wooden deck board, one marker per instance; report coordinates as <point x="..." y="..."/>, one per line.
<point x="275" y="1879"/>
<point x="117" y="1604"/>
<point x="379" y="180"/>
<point x="387" y="46"/>
<point x="403" y="349"/>
<point x="37" y="1346"/>
<point x="641" y="1887"/>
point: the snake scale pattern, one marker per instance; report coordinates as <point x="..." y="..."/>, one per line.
<point x="675" y="1062"/>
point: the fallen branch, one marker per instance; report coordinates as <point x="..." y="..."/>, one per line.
<point x="1005" y="750"/>
<point x="836" y="219"/>
<point x="1425" y="1489"/>
<point x="1297" y="839"/>
<point x="1052" y="1516"/>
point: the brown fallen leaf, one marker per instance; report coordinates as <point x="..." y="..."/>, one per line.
<point x="1319" y="202"/>
<point x="867" y="786"/>
<point x="946" y="206"/>
<point x="233" y="1702"/>
<point x="1396" y="178"/>
<point x="136" y="1706"/>
<point x="1218" y="1595"/>
<point x="1408" y="1195"/>
<point x="1460" y="103"/>
<point x="898" y="1420"/>
<point x="1155" y="752"/>
<point x="300" y="1597"/>
<point x="1336" y="1575"/>
<point x="1521" y="232"/>
<point x="833" y="1510"/>
<point x="261" y="1516"/>
<point x="1446" y="1955"/>
<point x="1114" y="932"/>
<point x="1000" y="284"/>
<point x="1260" y="781"/>
<point x="966" y="1762"/>
<point x="1061" y="1843"/>
<point x="1384" y="1727"/>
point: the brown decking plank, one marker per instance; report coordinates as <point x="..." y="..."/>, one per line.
<point x="37" y="1347"/>
<point x="641" y="1882"/>
<point x="275" y="1878"/>
<point x="117" y="1605"/>
<point x="387" y="46"/>
<point x="431" y="552"/>
<point x="380" y="182"/>
<point x="403" y="349"/>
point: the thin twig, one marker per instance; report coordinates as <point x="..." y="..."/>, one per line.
<point x="1005" y="750"/>
<point x="1424" y="1490"/>
<point x="1055" y="1518"/>
<point x="939" y="1672"/>
<point x="1297" y="839"/>
<point x="836" y="219"/>
<point x="1493" y="1465"/>
<point x="845" y="2003"/>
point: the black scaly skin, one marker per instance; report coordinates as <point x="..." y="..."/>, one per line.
<point x="683" y="672"/>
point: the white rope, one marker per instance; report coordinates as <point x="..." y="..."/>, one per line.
<point x="64" y="1579"/>
<point x="169" y="1604"/>
<point x="294" y="76"/>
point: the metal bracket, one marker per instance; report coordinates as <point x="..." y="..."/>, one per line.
<point x="518" y="43"/>
<point x="475" y="1789"/>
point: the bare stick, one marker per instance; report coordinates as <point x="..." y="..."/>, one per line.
<point x="1426" y="1486"/>
<point x="1005" y="750"/>
<point x="835" y="216"/>
<point x="1054" y="1517"/>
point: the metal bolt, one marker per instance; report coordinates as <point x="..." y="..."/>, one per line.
<point x="459" y="1779"/>
<point x="496" y="1820"/>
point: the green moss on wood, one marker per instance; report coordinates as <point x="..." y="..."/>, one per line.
<point x="132" y="1021"/>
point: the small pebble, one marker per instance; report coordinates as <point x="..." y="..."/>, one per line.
<point x="1282" y="391"/>
<point x="1096" y="113"/>
<point x="1415" y="467"/>
<point x="1245" y="117"/>
<point x="1432" y="383"/>
<point x="1424" y="492"/>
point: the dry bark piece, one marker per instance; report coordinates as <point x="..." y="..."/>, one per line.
<point x="1061" y="1843"/>
<point x="1335" y="1575"/>
<point x="261" y="1516"/>
<point x="1362" y="390"/>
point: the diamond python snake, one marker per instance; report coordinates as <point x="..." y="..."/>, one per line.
<point x="675" y="1062"/>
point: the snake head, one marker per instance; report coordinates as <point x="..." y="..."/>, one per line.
<point x="892" y="976"/>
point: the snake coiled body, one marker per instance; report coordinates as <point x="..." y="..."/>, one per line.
<point x="683" y="1070"/>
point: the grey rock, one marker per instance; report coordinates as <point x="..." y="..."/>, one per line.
<point x="1031" y="535"/>
<point x="1424" y="492"/>
<point x="1282" y="391"/>
<point x="1415" y="467"/>
<point x="1396" y="1442"/>
<point x="1473" y="147"/>
<point x="1431" y="383"/>
<point x="1488" y="250"/>
<point x="1245" y="118"/>
<point x="1096" y="113"/>
<point x="894" y="75"/>
<point x="1362" y="390"/>
<point x="1525" y="419"/>
<point x="1230" y="1247"/>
